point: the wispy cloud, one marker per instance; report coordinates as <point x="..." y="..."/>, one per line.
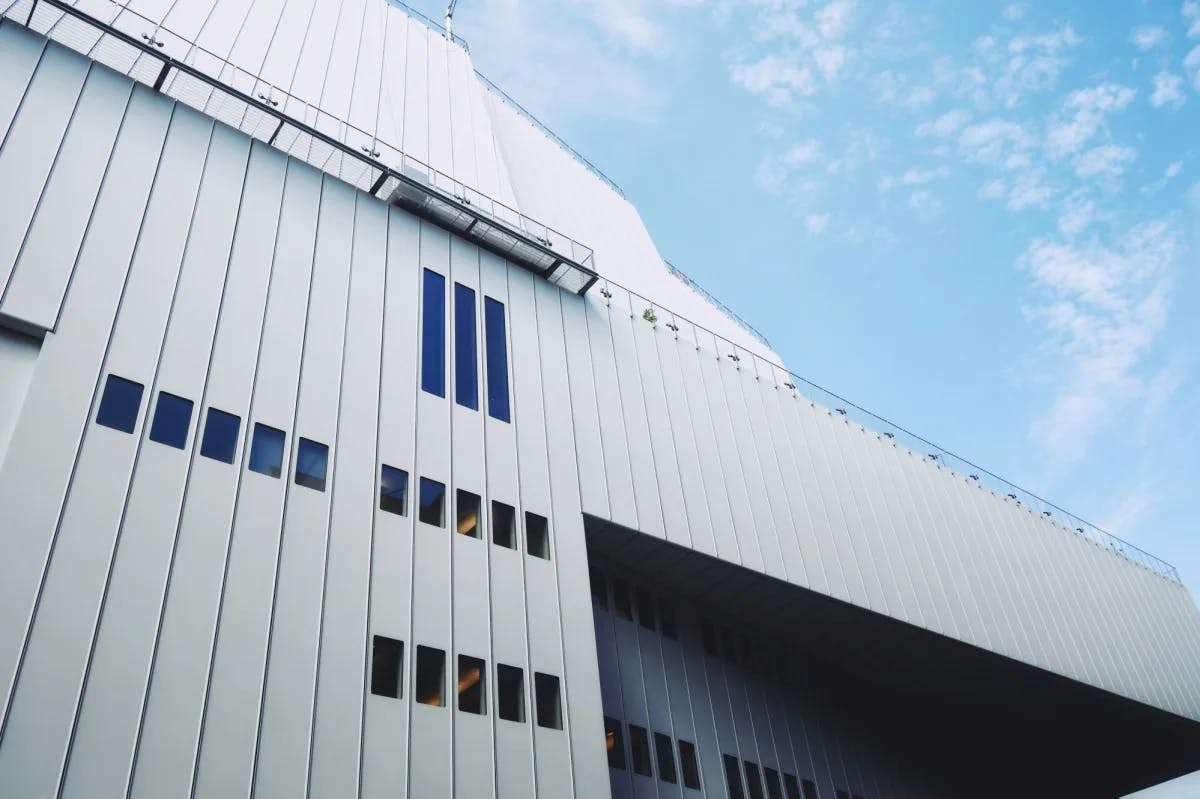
<point x="1168" y="90"/>
<point x="816" y="223"/>
<point x="1147" y="37"/>
<point x="1085" y="114"/>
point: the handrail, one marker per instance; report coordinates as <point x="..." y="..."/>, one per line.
<point x="720" y="306"/>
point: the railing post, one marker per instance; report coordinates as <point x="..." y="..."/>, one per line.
<point x="29" y="18"/>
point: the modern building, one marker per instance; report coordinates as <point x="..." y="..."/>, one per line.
<point x="355" y="440"/>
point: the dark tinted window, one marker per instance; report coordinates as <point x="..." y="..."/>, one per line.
<point x="614" y="743"/>
<point x="754" y="781"/>
<point x="639" y="750"/>
<point x="466" y="355"/>
<point x="266" y="450"/>
<point x="172" y="419"/>
<point x="119" y="404"/>
<point x="774" y="786"/>
<point x="621" y="604"/>
<point x="467" y="512"/>
<point x="220" y="436"/>
<point x="599" y="589"/>
<point x="729" y="645"/>
<point x="666" y="619"/>
<point x="387" y="655"/>
<point x="504" y="522"/>
<point x="549" y="705"/>
<point x="689" y="765"/>
<point x="733" y="777"/>
<point x="842" y="794"/>
<point x="645" y="605"/>
<point x="393" y="490"/>
<point x="433" y="334"/>
<point x="471" y="694"/>
<point x="537" y="535"/>
<point x="311" y="461"/>
<point x="708" y="635"/>
<point x="433" y="498"/>
<point x="431" y="676"/>
<point x="665" y="755"/>
<point x="510" y="693"/>
<point x="810" y="789"/>
<point x="497" y="359"/>
<point x="793" y="787"/>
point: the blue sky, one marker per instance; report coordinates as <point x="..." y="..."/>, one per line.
<point x="979" y="220"/>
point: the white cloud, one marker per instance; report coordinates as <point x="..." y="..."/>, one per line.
<point x="1191" y="16"/>
<point x="1101" y="309"/>
<point x="816" y="223"/>
<point x="1173" y="169"/>
<point x="896" y="89"/>
<point x="1087" y="111"/>
<point x="778" y="78"/>
<point x="803" y="153"/>
<point x="994" y="142"/>
<point x="1105" y="161"/>
<point x="1077" y="218"/>
<point x="1168" y="90"/>
<point x="925" y="205"/>
<point x="1147" y="37"/>
<point x="1191" y="63"/>
<point x="944" y="126"/>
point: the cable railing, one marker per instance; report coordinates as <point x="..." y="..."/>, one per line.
<point x="739" y="357"/>
<point x="168" y="63"/>
<point x="720" y="306"/>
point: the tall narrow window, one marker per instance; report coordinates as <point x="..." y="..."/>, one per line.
<point x="810" y="789"/>
<point x="311" y="461"/>
<point x="689" y="765"/>
<point x="549" y="704"/>
<point x="621" y="604"/>
<point x="433" y="498"/>
<point x="793" y="787"/>
<point x="599" y="589"/>
<point x="497" y="359"/>
<point x="504" y="523"/>
<point x="393" y="490"/>
<point x="471" y="694"/>
<point x="266" y="450"/>
<point x="537" y="535"/>
<point x="774" y="786"/>
<point x="119" y="404"/>
<point x="221" y="432"/>
<point x="172" y="419"/>
<point x="709" y="636"/>
<point x="467" y="512"/>
<point x="639" y="749"/>
<point x="433" y="334"/>
<point x="510" y="693"/>
<point x="729" y="645"/>
<point x="733" y="777"/>
<point x="431" y="676"/>
<point x="466" y="350"/>
<point x="666" y="618"/>
<point x="754" y="781"/>
<point x="666" y="758"/>
<point x="614" y="743"/>
<point x="645" y="607"/>
<point x="387" y="655"/>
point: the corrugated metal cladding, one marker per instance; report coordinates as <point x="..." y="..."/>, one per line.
<point x="171" y="622"/>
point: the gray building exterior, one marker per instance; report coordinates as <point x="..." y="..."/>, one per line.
<point x="355" y="440"/>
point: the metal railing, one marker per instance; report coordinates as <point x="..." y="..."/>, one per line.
<point x="150" y="54"/>
<point x="720" y="306"/>
<point x="649" y="312"/>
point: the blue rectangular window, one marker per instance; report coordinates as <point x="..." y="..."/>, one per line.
<point x="466" y="353"/>
<point x="393" y="490"/>
<point x="497" y="359"/>
<point x="311" y="461"/>
<point x="432" y="501"/>
<point x="266" y="451"/>
<point x="433" y="334"/>
<point x="172" y="418"/>
<point x="119" y="404"/>
<point x="220" y="436"/>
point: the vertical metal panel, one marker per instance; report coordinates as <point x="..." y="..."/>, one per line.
<point x="20" y="52"/>
<point x="585" y="415"/>
<point x="416" y="94"/>
<point x="18" y="359"/>
<point x="618" y="469"/>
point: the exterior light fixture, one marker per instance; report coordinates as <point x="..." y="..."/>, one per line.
<point x="1011" y="496"/>
<point x="890" y="435"/>
<point x="842" y="411"/>
<point x="974" y="477"/>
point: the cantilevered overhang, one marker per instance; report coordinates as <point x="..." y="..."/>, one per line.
<point x="971" y="716"/>
<point x="152" y="55"/>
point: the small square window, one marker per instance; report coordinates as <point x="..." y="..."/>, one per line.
<point x="431" y="676"/>
<point x="549" y="705"/>
<point x="645" y="605"/>
<point x="708" y="635"/>
<point x="221" y="431"/>
<point x="733" y="777"/>
<point x="471" y="694"/>
<point x="510" y="692"/>
<point x="393" y="490"/>
<point x="311" y="462"/>
<point x="537" y="535"/>
<point x="467" y="508"/>
<point x="666" y="619"/>
<point x="599" y="589"/>
<point x="172" y="419"/>
<point x="387" y="655"/>
<point x="120" y="403"/>
<point x="613" y="743"/>
<point x="754" y="781"/>
<point x="621" y="606"/>
<point x="666" y="758"/>
<point x="266" y="450"/>
<point x="689" y="765"/>
<point x="639" y="749"/>
<point x="433" y="498"/>
<point x="504" y="522"/>
<point x="774" y="786"/>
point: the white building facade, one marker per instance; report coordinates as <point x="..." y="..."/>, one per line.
<point x="355" y="440"/>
